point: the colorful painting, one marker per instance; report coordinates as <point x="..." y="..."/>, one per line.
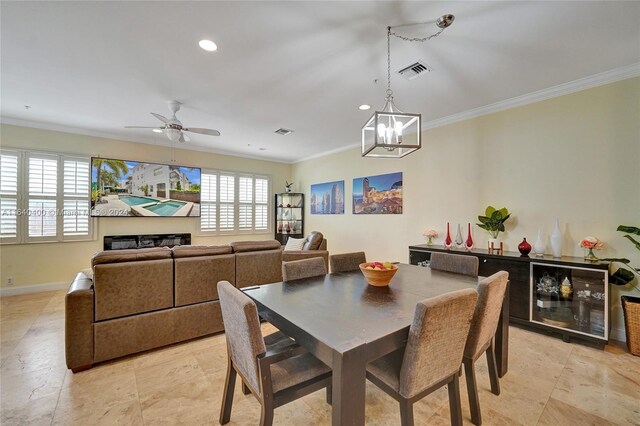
<point x="381" y="194"/>
<point x="327" y="198"/>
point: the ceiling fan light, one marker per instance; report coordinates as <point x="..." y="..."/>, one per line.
<point x="208" y="45"/>
<point x="173" y="135"/>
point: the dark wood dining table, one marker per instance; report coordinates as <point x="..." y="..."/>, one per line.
<point x="347" y="323"/>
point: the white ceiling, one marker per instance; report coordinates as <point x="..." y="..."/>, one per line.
<point x="98" y="66"/>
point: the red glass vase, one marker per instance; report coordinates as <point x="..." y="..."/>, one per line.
<point x="448" y="242"/>
<point x="524" y="247"/>
<point x="469" y="243"/>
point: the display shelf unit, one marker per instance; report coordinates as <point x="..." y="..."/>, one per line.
<point x="592" y="323"/>
<point x="289" y="216"/>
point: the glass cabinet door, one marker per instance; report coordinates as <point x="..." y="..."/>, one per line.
<point x="570" y="298"/>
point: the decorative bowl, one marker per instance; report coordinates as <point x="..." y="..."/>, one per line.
<point x="378" y="278"/>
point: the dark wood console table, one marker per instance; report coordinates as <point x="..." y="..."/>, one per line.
<point x="583" y="317"/>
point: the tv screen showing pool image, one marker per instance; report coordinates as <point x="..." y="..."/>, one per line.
<point x="122" y="188"/>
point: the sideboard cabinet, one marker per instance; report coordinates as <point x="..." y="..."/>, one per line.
<point x="536" y="298"/>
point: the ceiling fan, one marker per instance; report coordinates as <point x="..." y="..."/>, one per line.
<point x="172" y="127"/>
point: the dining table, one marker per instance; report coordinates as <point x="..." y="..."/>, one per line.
<point x="347" y="323"/>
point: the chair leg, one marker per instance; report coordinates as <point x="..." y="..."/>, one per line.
<point x="266" y="416"/>
<point x="472" y="391"/>
<point x="493" y="370"/>
<point x="227" y="397"/>
<point x="455" y="407"/>
<point x="406" y="413"/>
<point x="245" y="389"/>
<point x="329" y="394"/>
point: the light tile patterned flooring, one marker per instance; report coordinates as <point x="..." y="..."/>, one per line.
<point x="549" y="382"/>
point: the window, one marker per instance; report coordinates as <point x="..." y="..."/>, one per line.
<point x="234" y="203"/>
<point x="44" y="197"/>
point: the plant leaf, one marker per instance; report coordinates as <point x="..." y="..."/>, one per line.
<point x="489" y="211"/>
<point x="630" y="238"/>
<point x="501" y="227"/>
<point x="483" y="226"/>
<point x="484" y="219"/>
<point x="496" y="216"/>
<point x="629" y="229"/>
<point x="504" y="212"/>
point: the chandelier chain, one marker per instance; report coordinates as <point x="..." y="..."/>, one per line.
<point x="421" y="40"/>
<point x="389" y="91"/>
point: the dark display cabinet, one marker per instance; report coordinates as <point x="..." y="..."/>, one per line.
<point x="289" y="216"/>
<point x="535" y="290"/>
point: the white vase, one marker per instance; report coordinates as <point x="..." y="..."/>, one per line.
<point x="458" y="241"/>
<point x="539" y="245"/>
<point x="556" y="240"/>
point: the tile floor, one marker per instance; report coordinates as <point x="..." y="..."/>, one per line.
<point x="549" y="382"/>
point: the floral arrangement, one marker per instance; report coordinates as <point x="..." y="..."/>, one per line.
<point x="430" y="234"/>
<point x="591" y="243"/>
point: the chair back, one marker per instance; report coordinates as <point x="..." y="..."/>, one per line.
<point x="242" y="329"/>
<point x="487" y="313"/>
<point x="305" y="268"/>
<point x="456" y="263"/>
<point x="347" y="262"/>
<point x="436" y="340"/>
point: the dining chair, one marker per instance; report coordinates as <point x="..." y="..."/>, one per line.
<point x="347" y="262"/>
<point x="432" y="356"/>
<point x="484" y="324"/>
<point x="456" y="263"/>
<point x="276" y="372"/>
<point x="305" y="268"/>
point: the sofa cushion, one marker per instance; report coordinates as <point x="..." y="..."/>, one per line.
<point x="258" y="267"/>
<point x="313" y="241"/>
<point x="245" y="246"/>
<point x="193" y="251"/>
<point x="196" y="278"/>
<point x="117" y="256"/>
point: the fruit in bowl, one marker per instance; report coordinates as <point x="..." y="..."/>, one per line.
<point x="378" y="274"/>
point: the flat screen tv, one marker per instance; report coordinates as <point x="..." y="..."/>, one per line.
<point x="121" y="188"/>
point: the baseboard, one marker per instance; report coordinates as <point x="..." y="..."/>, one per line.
<point x="34" y="288"/>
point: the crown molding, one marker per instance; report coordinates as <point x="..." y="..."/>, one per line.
<point x="611" y="76"/>
<point x="162" y="143"/>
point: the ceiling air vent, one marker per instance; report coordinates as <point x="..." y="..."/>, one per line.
<point x="283" y="131"/>
<point x="414" y="70"/>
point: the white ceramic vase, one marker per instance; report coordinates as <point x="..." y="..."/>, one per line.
<point x="556" y="240"/>
<point x="458" y="241"/>
<point x="539" y="246"/>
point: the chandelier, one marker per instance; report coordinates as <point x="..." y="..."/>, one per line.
<point x="391" y="133"/>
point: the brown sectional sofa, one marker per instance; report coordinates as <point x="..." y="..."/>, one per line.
<point x="146" y="298"/>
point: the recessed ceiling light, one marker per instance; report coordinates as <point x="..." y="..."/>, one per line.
<point x="157" y="130"/>
<point x="208" y="45"/>
<point x="364" y="107"/>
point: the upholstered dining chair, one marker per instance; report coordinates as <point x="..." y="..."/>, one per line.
<point x="275" y="372"/>
<point x="484" y="324"/>
<point x="457" y="263"/>
<point x="347" y="262"/>
<point x="432" y="356"/>
<point x="305" y="268"/>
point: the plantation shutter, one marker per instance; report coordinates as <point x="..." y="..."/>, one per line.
<point x="261" y="204"/>
<point x="227" y="202"/>
<point x="245" y="207"/>
<point x="208" y="200"/>
<point x="76" y="197"/>
<point x="42" y="184"/>
<point x="9" y="170"/>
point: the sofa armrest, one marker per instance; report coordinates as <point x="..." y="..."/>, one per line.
<point x="79" y="306"/>
<point x="291" y="255"/>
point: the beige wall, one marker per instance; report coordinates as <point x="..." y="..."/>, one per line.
<point x="575" y="158"/>
<point x="33" y="264"/>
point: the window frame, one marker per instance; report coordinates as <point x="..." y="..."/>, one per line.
<point x="236" y="204"/>
<point x="23" y="198"/>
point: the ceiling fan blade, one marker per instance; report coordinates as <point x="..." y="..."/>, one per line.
<point x="161" y="118"/>
<point x="183" y="138"/>
<point x="201" y="131"/>
<point x="142" y="127"/>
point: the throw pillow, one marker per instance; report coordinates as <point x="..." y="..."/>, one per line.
<point x="295" y="244"/>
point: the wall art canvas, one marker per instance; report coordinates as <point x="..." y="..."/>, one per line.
<point x="381" y="194"/>
<point x="327" y="198"/>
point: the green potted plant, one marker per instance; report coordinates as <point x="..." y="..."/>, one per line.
<point x="493" y="222"/>
<point x="622" y="274"/>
